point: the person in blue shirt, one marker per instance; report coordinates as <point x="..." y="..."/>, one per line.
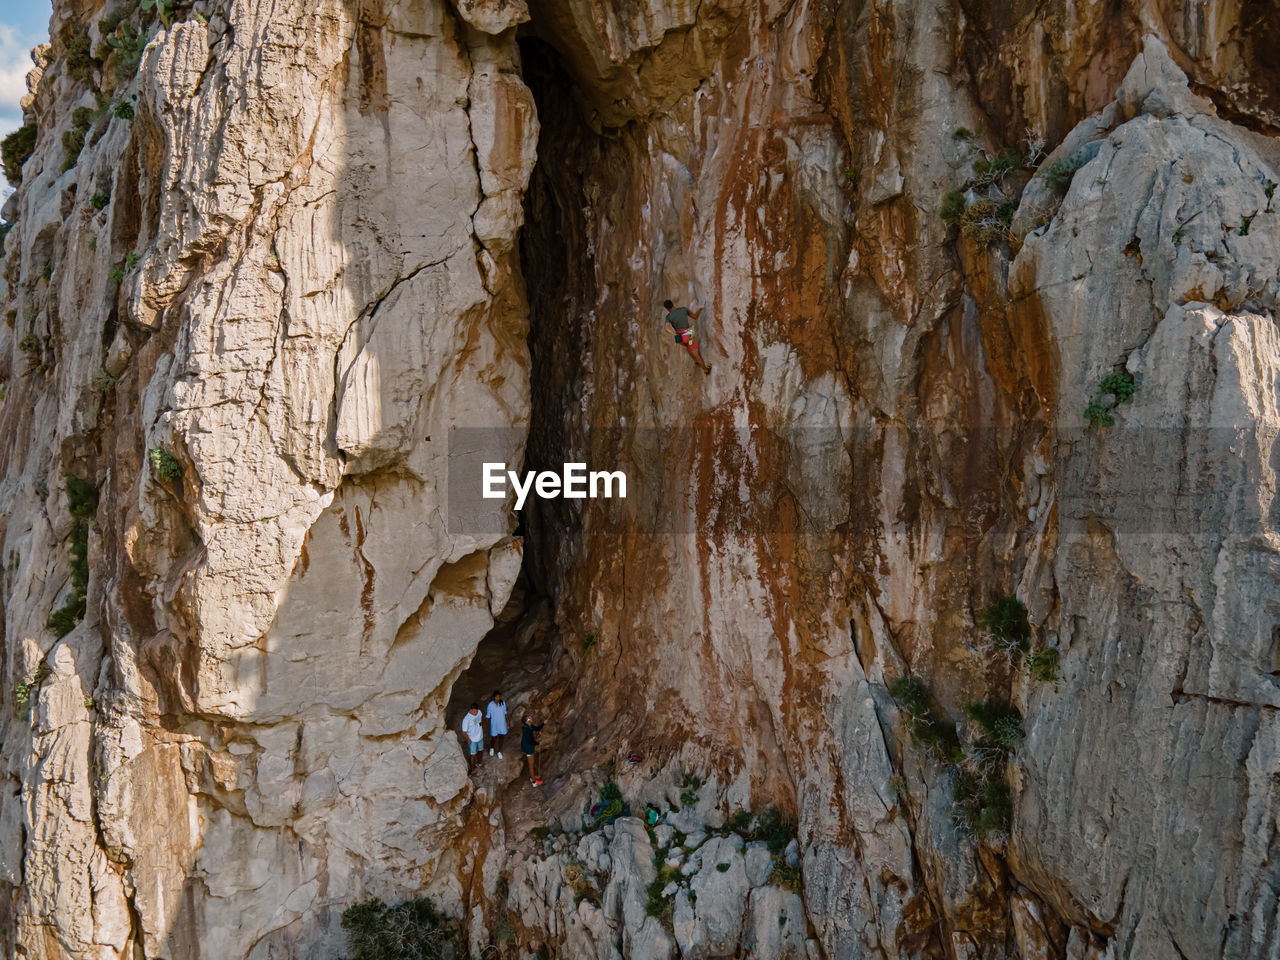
<point x="679" y="322"/>
<point x="496" y="714"/>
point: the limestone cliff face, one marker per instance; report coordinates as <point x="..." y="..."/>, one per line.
<point x="303" y="244"/>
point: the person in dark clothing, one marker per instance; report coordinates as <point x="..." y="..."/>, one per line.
<point x="679" y="323"/>
<point x="529" y="745"/>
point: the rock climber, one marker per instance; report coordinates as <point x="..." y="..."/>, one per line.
<point x="529" y="746"/>
<point x="472" y="726"/>
<point x="680" y="324"/>
<point x="496" y="714"/>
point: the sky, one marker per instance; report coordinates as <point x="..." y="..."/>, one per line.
<point x="23" y="24"/>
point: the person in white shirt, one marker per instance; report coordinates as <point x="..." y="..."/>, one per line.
<point x="473" y="727"/>
<point x="496" y="714"/>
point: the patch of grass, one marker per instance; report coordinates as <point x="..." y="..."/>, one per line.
<point x="689" y="795"/>
<point x="658" y="905"/>
<point x="73" y="139"/>
<point x="983" y="805"/>
<point x="1001" y="724"/>
<point x="981" y="221"/>
<point x="788" y="877"/>
<point x="739" y="822"/>
<point x="1004" y="620"/>
<point x="995" y="169"/>
<point x="99" y="201"/>
<point x="1043" y="665"/>
<point x="82" y="500"/>
<point x="164" y="464"/>
<point x="505" y="932"/>
<point x="575" y="874"/>
<point x="851" y="178"/>
<point x="124" y="111"/>
<point x="1179" y="235"/>
<point x="771" y="827"/>
<point x="953" y="205"/>
<point x="32" y="348"/>
<point x="131" y="260"/>
<point x="1246" y="223"/>
<point x="413" y="930"/>
<point x="964" y="133"/>
<point x="79" y="60"/>
<point x="1059" y="174"/>
<point x="15" y="150"/>
<point x="47" y="273"/>
<point x="116" y="275"/>
<point x="930" y="728"/>
<point x="722" y="867"/>
<point x="1269" y="188"/>
<point x="588" y="642"/>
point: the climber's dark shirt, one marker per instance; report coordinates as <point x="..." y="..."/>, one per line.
<point x="679" y="319"/>
<point x="528" y="738"/>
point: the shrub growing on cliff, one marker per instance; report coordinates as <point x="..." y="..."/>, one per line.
<point x="982" y="805"/>
<point x="1004" y="621"/>
<point x="1043" y="665"/>
<point x="953" y="205"/>
<point x="73" y="139"/>
<point x="79" y="61"/>
<point x="15" y="150"/>
<point x="929" y="726"/>
<point x="786" y="876"/>
<point x="1001" y="724"/>
<point x="995" y="169"/>
<point x="33" y="348"/>
<point x="82" y="500"/>
<point x="1059" y="174"/>
<point x="413" y="930"/>
<point x="1116" y="388"/>
<point x="773" y="828"/>
<point x="982" y="222"/>
<point x="164" y="464"/>
<point x="99" y="201"/>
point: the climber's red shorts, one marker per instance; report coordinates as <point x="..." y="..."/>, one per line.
<point x="686" y="337"/>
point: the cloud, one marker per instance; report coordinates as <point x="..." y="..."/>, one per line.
<point x="15" y="62"/>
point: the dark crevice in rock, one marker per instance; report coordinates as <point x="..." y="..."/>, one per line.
<point x="520" y="655"/>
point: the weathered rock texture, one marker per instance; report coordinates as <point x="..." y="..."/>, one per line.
<point x="321" y="243"/>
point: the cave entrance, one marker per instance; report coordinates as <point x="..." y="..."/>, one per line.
<point x="521" y="654"/>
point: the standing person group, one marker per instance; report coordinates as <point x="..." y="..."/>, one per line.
<point x="473" y="729"/>
<point x="496" y="713"/>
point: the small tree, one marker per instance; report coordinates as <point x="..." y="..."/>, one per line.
<point x="1004" y="622"/>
